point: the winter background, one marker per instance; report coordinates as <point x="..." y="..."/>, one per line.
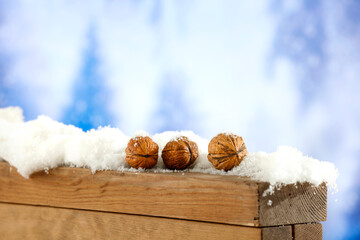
<point x="275" y="72"/>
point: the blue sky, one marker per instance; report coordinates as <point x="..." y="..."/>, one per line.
<point x="281" y="72"/>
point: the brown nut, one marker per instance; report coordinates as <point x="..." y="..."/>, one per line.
<point x="142" y="152"/>
<point x="226" y="151"/>
<point x="180" y="153"/>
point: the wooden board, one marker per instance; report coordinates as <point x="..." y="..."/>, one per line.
<point x="312" y="231"/>
<point x="293" y="204"/>
<point x="193" y="196"/>
<point x="37" y="222"/>
<point x="34" y="222"/>
<point x="277" y="233"/>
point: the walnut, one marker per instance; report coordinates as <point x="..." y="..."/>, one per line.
<point x="142" y="152"/>
<point x="180" y="153"/>
<point x="226" y="151"/>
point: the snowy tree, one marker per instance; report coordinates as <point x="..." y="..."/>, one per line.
<point x="175" y="111"/>
<point x="89" y="106"/>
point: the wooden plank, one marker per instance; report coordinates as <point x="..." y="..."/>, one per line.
<point x="312" y="231"/>
<point x="277" y="233"/>
<point x="35" y="222"/>
<point x="193" y="196"/>
<point x="293" y="204"/>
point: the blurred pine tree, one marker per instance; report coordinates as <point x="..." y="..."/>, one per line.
<point x="89" y="106"/>
<point x="175" y="111"/>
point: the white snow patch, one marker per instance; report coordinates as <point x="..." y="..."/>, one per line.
<point x="12" y="114"/>
<point x="101" y="149"/>
<point x="141" y="133"/>
<point x="10" y="118"/>
<point x="286" y="166"/>
<point x="43" y="144"/>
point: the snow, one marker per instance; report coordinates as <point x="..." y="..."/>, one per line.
<point x="43" y="144"/>
<point x="141" y="133"/>
<point x="101" y="149"/>
<point x="286" y="166"/>
<point x="12" y="114"/>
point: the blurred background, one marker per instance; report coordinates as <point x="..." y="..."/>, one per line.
<point x="275" y="72"/>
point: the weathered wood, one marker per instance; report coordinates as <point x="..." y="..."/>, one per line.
<point x="193" y="196"/>
<point x="277" y="233"/>
<point x="293" y="204"/>
<point x="311" y="231"/>
<point x="38" y="222"/>
<point x="35" y="222"/>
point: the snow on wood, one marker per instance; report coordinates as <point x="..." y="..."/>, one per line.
<point x="192" y="196"/>
<point x="43" y="144"/>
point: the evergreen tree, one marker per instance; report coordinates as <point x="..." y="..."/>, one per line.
<point x="89" y="107"/>
<point x="175" y="111"/>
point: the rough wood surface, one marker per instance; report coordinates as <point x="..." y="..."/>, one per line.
<point x="293" y="204"/>
<point x="35" y="222"/>
<point x="312" y="231"/>
<point x="277" y="233"/>
<point x="193" y="196"/>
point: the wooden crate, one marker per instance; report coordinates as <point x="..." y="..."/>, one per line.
<point x="73" y="203"/>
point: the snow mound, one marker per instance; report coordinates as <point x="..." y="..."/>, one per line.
<point x="286" y="166"/>
<point x="11" y="114"/>
<point x="43" y="143"/>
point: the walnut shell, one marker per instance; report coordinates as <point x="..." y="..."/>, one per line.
<point x="180" y="153"/>
<point x="142" y="152"/>
<point x="226" y="151"/>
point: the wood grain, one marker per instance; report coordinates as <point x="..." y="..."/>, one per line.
<point x="35" y="222"/>
<point x="214" y="198"/>
<point x="312" y="231"/>
<point x="193" y="196"/>
<point x="277" y="233"/>
<point x="293" y="204"/>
